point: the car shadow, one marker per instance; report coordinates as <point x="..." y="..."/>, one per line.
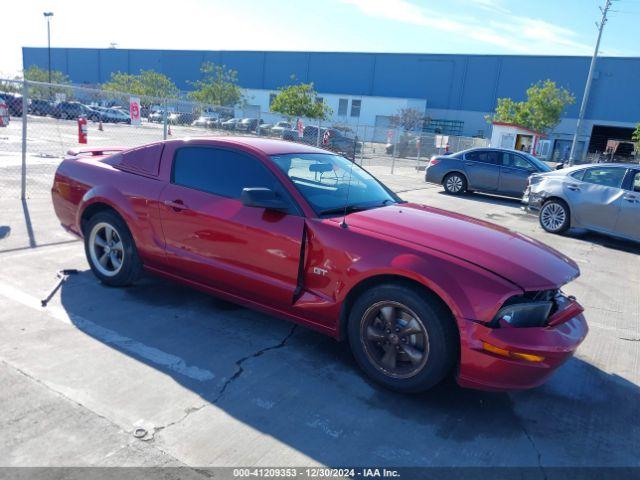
<point x="488" y="198"/>
<point x="305" y="390"/>
<point x="603" y="240"/>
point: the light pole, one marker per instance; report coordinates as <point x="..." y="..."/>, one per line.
<point x="48" y="16"/>
<point x="587" y="88"/>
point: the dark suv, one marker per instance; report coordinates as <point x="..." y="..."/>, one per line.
<point x="70" y="110"/>
<point x="335" y="141"/>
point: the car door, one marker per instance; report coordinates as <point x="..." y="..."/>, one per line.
<point x="594" y="197"/>
<point x="482" y="169"/>
<point x="213" y="238"/>
<point x="628" y="223"/>
<point x="514" y="174"/>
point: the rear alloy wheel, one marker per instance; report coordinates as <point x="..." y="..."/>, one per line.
<point x="455" y="184"/>
<point x="402" y="338"/>
<point x="110" y="250"/>
<point x="554" y="216"/>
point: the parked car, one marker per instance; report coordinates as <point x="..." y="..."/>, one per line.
<point x="604" y="198"/>
<point x="231" y="123"/>
<point x="332" y="139"/>
<point x="40" y="107"/>
<point x="13" y="101"/>
<point x="69" y="110"/>
<point x="418" y="292"/>
<point x="278" y="129"/>
<point x="248" y="124"/>
<point x="156" y="116"/>
<point x="116" y="115"/>
<point x="491" y="170"/>
<point x="205" y="120"/>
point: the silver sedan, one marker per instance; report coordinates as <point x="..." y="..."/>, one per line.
<point x="597" y="197"/>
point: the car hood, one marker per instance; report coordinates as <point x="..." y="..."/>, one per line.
<point x="529" y="264"/>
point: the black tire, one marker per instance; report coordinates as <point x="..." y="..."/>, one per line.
<point x="555" y="216"/>
<point x="439" y="346"/>
<point x="130" y="265"/>
<point x="455" y="183"/>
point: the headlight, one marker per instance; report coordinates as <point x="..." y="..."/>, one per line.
<point x="535" y="179"/>
<point x="522" y="315"/>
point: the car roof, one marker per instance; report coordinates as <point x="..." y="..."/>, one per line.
<point x="589" y="165"/>
<point x="266" y="145"/>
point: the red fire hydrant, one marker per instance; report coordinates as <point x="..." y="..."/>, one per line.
<point x="82" y="130"/>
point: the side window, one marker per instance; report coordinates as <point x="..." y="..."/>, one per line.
<point x="605" y="176"/>
<point x="516" y="161"/>
<point x="635" y="182"/>
<point x="485" y="156"/>
<point x="221" y="172"/>
<point x="471" y="156"/>
<point x="578" y="175"/>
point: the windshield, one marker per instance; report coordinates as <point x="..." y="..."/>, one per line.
<point x="538" y="163"/>
<point x="323" y="180"/>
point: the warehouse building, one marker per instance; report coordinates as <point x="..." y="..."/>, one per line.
<point x="454" y="91"/>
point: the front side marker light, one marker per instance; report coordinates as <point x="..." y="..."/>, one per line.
<point x="514" y="355"/>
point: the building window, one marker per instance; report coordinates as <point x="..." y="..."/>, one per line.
<point x="445" y="127"/>
<point x="355" y="107"/>
<point x="343" y="106"/>
<point x="272" y="97"/>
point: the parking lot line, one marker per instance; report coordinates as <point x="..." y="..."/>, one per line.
<point x="153" y="355"/>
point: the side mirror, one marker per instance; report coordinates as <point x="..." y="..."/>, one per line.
<point x="560" y="166"/>
<point x="259" y="197"/>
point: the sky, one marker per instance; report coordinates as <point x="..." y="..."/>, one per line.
<point x="545" y="27"/>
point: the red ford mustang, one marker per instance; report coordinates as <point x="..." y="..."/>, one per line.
<point x="305" y="234"/>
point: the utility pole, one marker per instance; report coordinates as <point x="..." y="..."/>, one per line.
<point x="48" y="16"/>
<point x="587" y="88"/>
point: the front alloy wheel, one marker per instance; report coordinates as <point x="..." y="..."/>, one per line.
<point x="395" y="339"/>
<point x="402" y="336"/>
<point x="554" y="216"/>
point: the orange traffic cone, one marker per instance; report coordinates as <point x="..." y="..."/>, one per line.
<point x="100" y="126"/>
<point x="169" y="130"/>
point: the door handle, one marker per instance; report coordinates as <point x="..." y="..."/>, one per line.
<point x="573" y="187"/>
<point x="631" y="198"/>
<point x="177" y="205"/>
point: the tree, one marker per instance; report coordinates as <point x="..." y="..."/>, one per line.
<point x="541" y="111"/>
<point x="148" y="83"/>
<point x="37" y="74"/>
<point x="219" y="86"/>
<point x="300" y="100"/>
<point x="636" y="137"/>
<point x="409" y="119"/>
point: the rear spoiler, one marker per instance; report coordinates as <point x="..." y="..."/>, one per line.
<point x="94" y="152"/>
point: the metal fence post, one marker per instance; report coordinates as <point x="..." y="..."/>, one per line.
<point x="25" y="109"/>
<point x="318" y="136"/>
<point x="164" y="121"/>
<point x="258" y="126"/>
<point x="395" y="149"/>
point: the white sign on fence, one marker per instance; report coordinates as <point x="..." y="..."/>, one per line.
<point x="134" y="110"/>
<point x="441" y="141"/>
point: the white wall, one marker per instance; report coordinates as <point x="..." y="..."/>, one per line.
<point x="369" y="109"/>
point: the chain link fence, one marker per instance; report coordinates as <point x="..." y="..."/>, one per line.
<point x="57" y="118"/>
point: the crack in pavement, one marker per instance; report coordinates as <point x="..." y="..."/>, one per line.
<point x="239" y="363"/>
<point x="150" y="436"/>
<point x="535" y="447"/>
